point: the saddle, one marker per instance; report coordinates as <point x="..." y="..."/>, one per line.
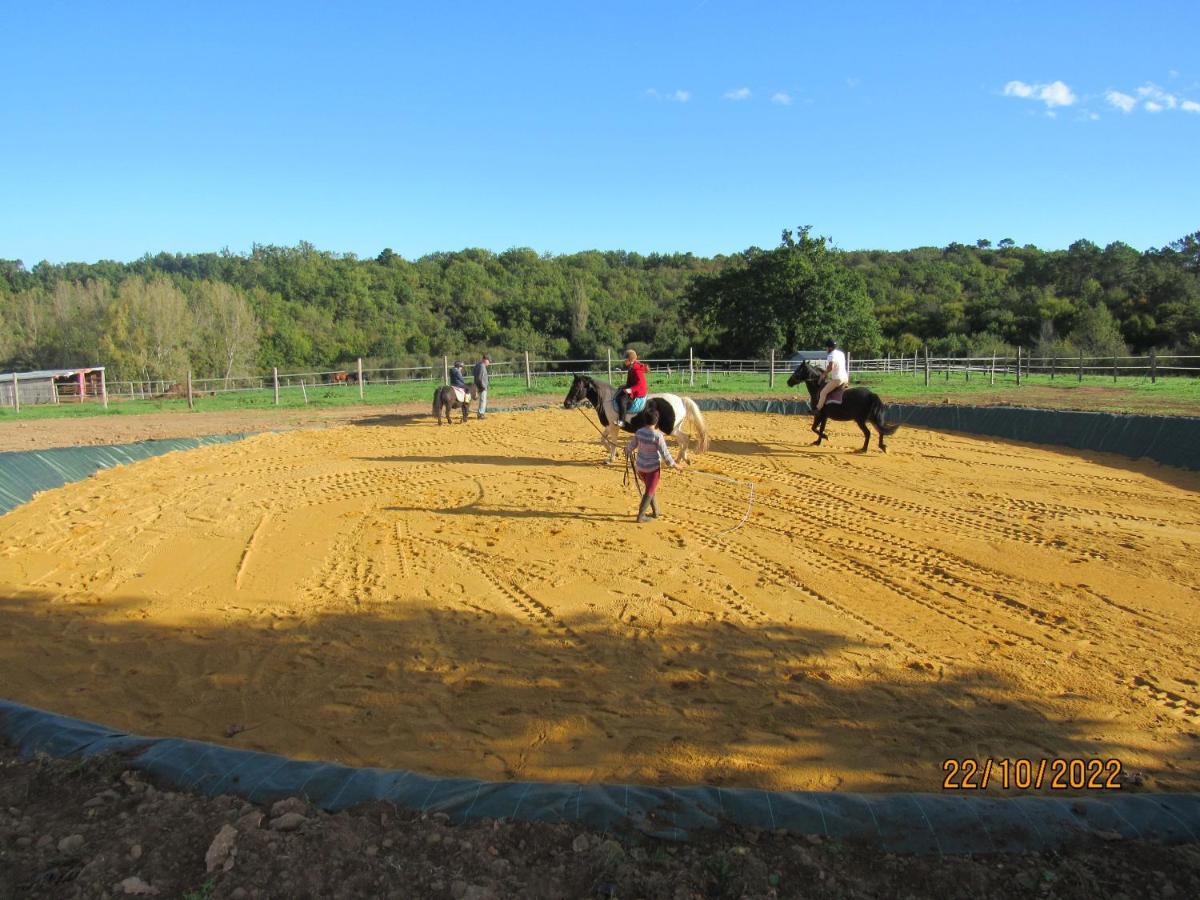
<point x="460" y="395"/>
<point x="835" y="396"/>
<point x="636" y="405"/>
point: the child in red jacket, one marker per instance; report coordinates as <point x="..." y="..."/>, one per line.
<point x="634" y="389"/>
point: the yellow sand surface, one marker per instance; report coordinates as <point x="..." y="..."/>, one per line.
<point x="477" y="600"/>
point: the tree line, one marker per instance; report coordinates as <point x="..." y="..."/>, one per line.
<point x="300" y="308"/>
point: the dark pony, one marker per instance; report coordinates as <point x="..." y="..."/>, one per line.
<point x="859" y="404"/>
<point x="444" y="400"/>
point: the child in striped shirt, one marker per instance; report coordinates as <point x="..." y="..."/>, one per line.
<point x="650" y="444"/>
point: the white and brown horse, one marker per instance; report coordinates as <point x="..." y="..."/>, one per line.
<point x="678" y="416"/>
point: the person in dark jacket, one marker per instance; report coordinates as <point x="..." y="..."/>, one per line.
<point x="456" y="378"/>
<point x="481" y="382"/>
<point x="631" y="399"/>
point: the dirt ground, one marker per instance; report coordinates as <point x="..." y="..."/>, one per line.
<point x="476" y="600"/>
<point x="39" y="434"/>
<point x="97" y="829"/>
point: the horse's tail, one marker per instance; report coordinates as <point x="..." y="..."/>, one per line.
<point x="437" y="396"/>
<point x="878" y="417"/>
<point x="695" y="415"/>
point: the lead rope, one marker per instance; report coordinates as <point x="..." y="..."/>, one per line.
<point x="749" y="504"/>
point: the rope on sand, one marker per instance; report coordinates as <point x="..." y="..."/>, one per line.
<point x="716" y="477"/>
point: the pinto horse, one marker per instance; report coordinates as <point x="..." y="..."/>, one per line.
<point x="858" y="404"/>
<point x="445" y="399"/>
<point x="676" y="415"/>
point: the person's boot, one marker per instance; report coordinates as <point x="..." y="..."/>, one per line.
<point x="654" y="507"/>
<point x="646" y="501"/>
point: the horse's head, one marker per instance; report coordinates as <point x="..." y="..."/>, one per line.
<point x="577" y="393"/>
<point x="807" y="372"/>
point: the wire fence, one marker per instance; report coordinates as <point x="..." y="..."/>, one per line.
<point x="528" y="373"/>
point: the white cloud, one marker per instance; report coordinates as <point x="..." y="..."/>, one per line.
<point x="1154" y="94"/>
<point x="1123" y="102"/>
<point x="1056" y="93"/>
<point x="739" y="94"/>
<point x="782" y="98"/>
<point x="1151" y="106"/>
<point x="672" y="96"/>
<point x="1190" y="106"/>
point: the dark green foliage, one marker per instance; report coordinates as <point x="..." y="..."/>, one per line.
<point x="315" y="309"/>
<point x="792" y="297"/>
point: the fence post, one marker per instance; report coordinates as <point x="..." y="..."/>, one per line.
<point x="771" y="377"/>
<point x="608" y="350"/>
<point x="947" y="365"/>
<point x="360" y="385"/>
<point x="926" y="366"/>
<point x="1153" y="366"/>
<point x="1114" y="369"/>
<point x="528" y="374"/>
<point x="691" y="367"/>
<point x="304" y="392"/>
<point x="1081" y="367"/>
<point x="191" y="403"/>
<point x="16" y="397"/>
<point x="275" y="382"/>
<point x="445" y="370"/>
<point x="103" y="389"/>
<point x="992" y="375"/>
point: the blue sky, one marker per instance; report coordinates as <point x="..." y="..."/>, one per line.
<point x="698" y="126"/>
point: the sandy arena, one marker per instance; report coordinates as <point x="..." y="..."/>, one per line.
<point x="476" y="600"/>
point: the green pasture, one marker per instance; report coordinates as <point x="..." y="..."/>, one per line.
<point x="1170" y="395"/>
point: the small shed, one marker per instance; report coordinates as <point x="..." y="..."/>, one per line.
<point x="805" y="355"/>
<point x="53" y="386"/>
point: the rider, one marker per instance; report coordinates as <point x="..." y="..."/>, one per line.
<point x="837" y="375"/>
<point x="628" y="397"/>
<point x="456" y="378"/>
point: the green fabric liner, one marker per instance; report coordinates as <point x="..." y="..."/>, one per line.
<point x="1172" y="440"/>
<point x="24" y="473"/>
<point x="900" y="823"/>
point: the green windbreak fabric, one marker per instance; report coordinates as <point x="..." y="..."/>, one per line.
<point x="25" y="472"/>
<point x="1173" y="440"/>
<point x="897" y="823"/>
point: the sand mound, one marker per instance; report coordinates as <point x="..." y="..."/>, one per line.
<point x="477" y="600"/>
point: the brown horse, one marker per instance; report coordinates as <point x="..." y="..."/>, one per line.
<point x="444" y="400"/>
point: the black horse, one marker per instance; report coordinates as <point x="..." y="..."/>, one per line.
<point x="858" y="404"/>
<point x="678" y="416"/>
<point x="444" y="400"/>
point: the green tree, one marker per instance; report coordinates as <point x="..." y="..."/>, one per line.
<point x="1096" y="332"/>
<point x="788" y="298"/>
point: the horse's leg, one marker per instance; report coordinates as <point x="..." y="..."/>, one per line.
<point x="684" y="440"/>
<point x="818" y="427"/>
<point x="866" y="434"/>
<point x="611" y="438"/>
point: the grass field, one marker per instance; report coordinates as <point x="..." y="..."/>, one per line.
<point x="1169" y="396"/>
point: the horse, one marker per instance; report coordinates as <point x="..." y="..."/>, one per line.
<point x="339" y="377"/>
<point x="675" y="415"/>
<point x="859" y="404"/>
<point x="444" y="400"/>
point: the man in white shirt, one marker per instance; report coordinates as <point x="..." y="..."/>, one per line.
<point x="836" y="373"/>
